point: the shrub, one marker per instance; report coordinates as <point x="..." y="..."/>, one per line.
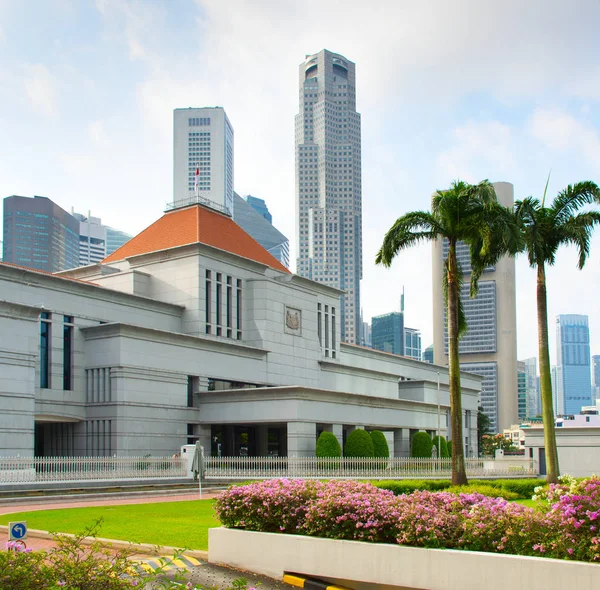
<point x="400" y="486"/>
<point x="524" y="488"/>
<point x="440" y="442"/>
<point x="484" y="490"/>
<point x="359" y="444"/>
<point x="276" y="505"/>
<point x="380" y="444"/>
<point x="421" y="445"/>
<point x="328" y="445"/>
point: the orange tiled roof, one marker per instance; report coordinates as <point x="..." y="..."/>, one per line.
<point x="191" y="225"/>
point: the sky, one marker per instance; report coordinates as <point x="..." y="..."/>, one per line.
<point x="469" y="89"/>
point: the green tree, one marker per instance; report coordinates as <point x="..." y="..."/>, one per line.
<point x="464" y="213"/>
<point x="380" y="444"/>
<point x="483" y="427"/>
<point x="328" y="445"/>
<point x="544" y="229"/>
<point x="422" y="445"/>
<point x="490" y="444"/>
<point x="359" y="444"/>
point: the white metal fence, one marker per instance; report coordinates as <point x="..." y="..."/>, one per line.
<point x="371" y="468"/>
<point x="48" y="469"/>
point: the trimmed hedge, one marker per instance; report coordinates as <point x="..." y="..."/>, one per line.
<point x="328" y="445"/>
<point x="443" y="446"/>
<point x="421" y="445"/>
<point x="380" y="444"/>
<point x="484" y="490"/>
<point x="359" y="444"/>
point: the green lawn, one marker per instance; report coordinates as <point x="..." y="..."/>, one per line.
<point x="175" y="524"/>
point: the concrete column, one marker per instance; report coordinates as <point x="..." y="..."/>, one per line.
<point x="262" y="440"/>
<point x="337" y="430"/>
<point x="301" y="439"/>
<point x="401" y="443"/>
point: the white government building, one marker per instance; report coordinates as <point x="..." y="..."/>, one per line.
<point x="193" y="331"/>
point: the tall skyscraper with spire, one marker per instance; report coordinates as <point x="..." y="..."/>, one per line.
<point x="328" y="182"/>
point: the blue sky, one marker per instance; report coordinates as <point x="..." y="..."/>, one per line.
<point x="468" y="89"/>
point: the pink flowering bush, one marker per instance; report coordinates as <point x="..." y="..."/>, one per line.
<point x="276" y="505"/>
<point x="564" y="527"/>
<point x="353" y="511"/>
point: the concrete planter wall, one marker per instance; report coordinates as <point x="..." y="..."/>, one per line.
<point x="354" y="564"/>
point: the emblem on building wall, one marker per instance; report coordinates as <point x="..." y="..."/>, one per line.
<point x="293" y="320"/>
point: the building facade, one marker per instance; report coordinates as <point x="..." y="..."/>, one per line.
<point x="489" y="348"/>
<point x="259" y="206"/>
<point x="521" y="390"/>
<point x="328" y="182"/>
<point x="115" y="239"/>
<point x="257" y="224"/>
<point x="39" y="234"/>
<point x="596" y="377"/>
<point x="387" y="332"/>
<point x="412" y="343"/>
<point x="184" y="335"/>
<point x="534" y="400"/>
<point x="203" y="157"/>
<point x="92" y="239"/>
<point x="573" y="383"/>
<point x="428" y="354"/>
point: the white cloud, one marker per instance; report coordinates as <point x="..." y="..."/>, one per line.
<point x="97" y="133"/>
<point x="561" y="131"/>
<point x="478" y="145"/>
<point x="40" y="88"/>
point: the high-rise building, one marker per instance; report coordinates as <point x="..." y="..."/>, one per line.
<point x="115" y="239"/>
<point x="387" y="332"/>
<point x="92" y="239"/>
<point x="328" y="181"/>
<point x="39" y="234"/>
<point x="489" y="348"/>
<point x="203" y="158"/>
<point x="428" y="354"/>
<point x="596" y="377"/>
<point x="261" y="229"/>
<point x="534" y="402"/>
<point x="521" y="390"/>
<point x="412" y="343"/>
<point x="573" y="383"/>
<point x="259" y="206"/>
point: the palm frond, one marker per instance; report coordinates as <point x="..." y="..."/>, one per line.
<point x="408" y="230"/>
<point x="578" y="230"/>
<point x="572" y="198"/>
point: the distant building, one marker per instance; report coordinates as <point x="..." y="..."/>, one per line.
<point x="412" y="343"/>
<point x="489" y="347"/>
<point x="259" y="206"/>
<point x="521" y="390"/>
<point x="428" y="354"/>
<point x="115" y="239"/>
<point x="387" y="332"/>
<point x="92" y="239"/>
<point x="596" y="377"/>
<point x="261" y="229"/>
<point x="534" y="402"/>
<point x="203" y="158"/>
<point x="39" y="234"/>
<point x="573" y="384"/>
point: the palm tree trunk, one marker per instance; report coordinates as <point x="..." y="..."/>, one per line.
<point x="545" y="378"/>
<point x="459" y="474"/>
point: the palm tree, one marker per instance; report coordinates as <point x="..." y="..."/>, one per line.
<point x="543" y="230"/>
<point x="469" y="214"/>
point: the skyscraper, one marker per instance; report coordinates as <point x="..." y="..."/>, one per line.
<point x="596" y="378"/>
<point x="573" y="383"/>
<point x="328" y="181"/>
<point x="115" y="238"/>
<point x="387" y="332"/>
<point x="534" y="402"/>
<point x="39" y="234"/>
<point x="412" y="343"/>
<point x="262" y="230"/>
<point x="92" y="239"/>
<point x="259" y="206"/>
<point x="203" y="158"/>
<point x="489" y="348"/>
<point x="521" y="390"/>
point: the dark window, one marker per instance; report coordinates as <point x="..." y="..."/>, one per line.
<point x="208" y="302"/>
<point x="190" y="391"/>
<point x="68" y="353"/>
<point x="190" y="432"/>
<point x="219" y="303"/>
<point x="45" y="345"/>
<point x="239" y="309"/>
<point x="229" y="307"/>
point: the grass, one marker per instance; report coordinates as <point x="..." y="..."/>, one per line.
<point x="175" y="524"/>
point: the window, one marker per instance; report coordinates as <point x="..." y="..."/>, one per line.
<point x="45" y="348"/>
<point x="208" y="302"/>
<point x="333" y="332"/>
<point x="229" y="307"/>
<point x="68" y="353"/>
<point x="239" y="309"/>
<point x="319" y="320"/>
<point x="219" y="303"/>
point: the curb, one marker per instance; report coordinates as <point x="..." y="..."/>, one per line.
<point x="143" y="548"/>
<point x="309" y="583"/>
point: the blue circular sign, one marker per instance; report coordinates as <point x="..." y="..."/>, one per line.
<point x="18" y="530"/>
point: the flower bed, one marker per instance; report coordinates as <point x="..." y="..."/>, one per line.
<point x="563" y="527"/>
